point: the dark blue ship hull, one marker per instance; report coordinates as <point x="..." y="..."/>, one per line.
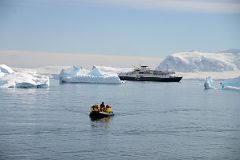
<point x="155" y="79"/>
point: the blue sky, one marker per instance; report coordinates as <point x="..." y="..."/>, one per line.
<point x="119" y="27"/>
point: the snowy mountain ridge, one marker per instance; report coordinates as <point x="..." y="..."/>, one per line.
<point x="196" y="61"/>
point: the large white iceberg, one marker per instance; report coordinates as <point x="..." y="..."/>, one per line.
<point x="12" y="79"/>
<point x="78" y="75"/>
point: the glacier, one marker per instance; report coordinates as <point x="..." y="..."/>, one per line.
<point x="96" y="75"/>
<point x="11" y="79"/>
<point x="196" y="61"/>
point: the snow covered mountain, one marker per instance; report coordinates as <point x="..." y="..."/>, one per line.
<point x="202" y="61"/>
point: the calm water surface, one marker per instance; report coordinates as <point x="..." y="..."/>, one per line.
<point x="152" y="121"/>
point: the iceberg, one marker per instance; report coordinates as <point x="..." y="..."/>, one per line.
<point x="12" y="79"/>
<point x="96" y="75"/>
<point x="208" y="84"/>
<point x="231" y="84"/>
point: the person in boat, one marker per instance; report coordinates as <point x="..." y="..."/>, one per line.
<point x="108" y="109"/>
<point x="102" y="107"/>
<point x="94" y="108"/>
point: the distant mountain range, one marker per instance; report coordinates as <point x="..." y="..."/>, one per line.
<point x="194" y="61"/>
<point x="232" y="50"/>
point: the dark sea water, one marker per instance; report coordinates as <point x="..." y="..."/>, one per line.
<point x="152" y="121"/>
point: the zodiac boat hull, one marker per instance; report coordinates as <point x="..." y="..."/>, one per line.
<point x="98" y="115"/>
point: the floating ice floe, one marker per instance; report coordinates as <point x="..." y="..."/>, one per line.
<point x="208" y="84"/>
<point x="231" y="84"/>
<point x="77" y="75"/>
<point x="12" y="79"/>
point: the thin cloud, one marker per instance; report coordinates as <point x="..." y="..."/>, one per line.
<point x="176" y="5"/>
<point x="221" y="6"/>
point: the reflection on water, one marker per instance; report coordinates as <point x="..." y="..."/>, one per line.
<point x="102" y="122"/>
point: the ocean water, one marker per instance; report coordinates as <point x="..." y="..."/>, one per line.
<point x="152" y="121"/>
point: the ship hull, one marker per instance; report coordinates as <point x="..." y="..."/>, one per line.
<point x="154" y="79"/>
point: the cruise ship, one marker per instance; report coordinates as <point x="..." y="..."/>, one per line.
<point x="143" y="73"/>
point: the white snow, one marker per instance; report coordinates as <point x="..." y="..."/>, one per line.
<point x="96" y="75"/>
<point x="12" y="79"/>
<point x="196" y="61"/>
<point x="4" y="69"/>
<point x="96" y="72"/>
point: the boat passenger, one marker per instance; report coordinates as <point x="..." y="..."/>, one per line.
<point x="102" y="107"/>
<point x="108" y="109"/>
<point x="94" y="108"/>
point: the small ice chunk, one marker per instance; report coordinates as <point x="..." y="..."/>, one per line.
<point x="231" y="84"/>
<point x="208" y="84"/>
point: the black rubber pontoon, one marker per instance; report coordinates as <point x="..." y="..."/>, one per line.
<point x="98" y="115"/>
